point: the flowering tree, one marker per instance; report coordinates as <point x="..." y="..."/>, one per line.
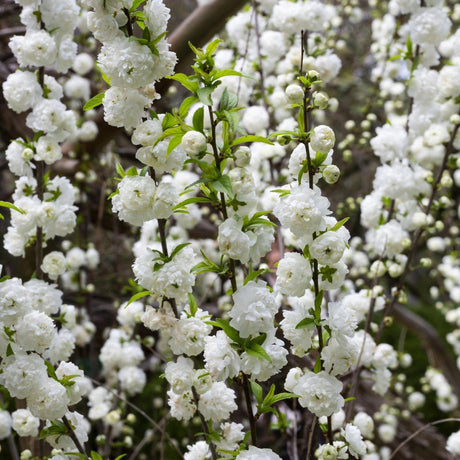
<point x="251" y="311"/>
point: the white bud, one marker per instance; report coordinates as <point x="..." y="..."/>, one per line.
<point x="320" y="100"/>
<point x="27" y="154"/>
<point x="331" y="174"/>
<point x="194" y="142"/>
<point x="242" y="156"/>
<point x="294" y="94"/>
<point x="322" y="139"/>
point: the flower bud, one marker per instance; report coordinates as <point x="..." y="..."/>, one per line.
<point x="27" y="154"/>
<point x="313" y="76"/>
<point x="322" y="139"/>
<point x="242" y="156"/>
<point x="331" y="174"/>
<point x="320" y="100"/>
<point x="294" y="94"/>
<point x="194" y="142"/>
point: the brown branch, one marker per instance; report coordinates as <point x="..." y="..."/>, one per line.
<point x="198" y="28"/>
<point x="438" y="354"/>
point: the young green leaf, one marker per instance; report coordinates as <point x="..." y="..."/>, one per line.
<point x="137" y="296"/>
<point x="94" y="101"/>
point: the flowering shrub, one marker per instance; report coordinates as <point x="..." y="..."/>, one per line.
<point x="256" y="319"/>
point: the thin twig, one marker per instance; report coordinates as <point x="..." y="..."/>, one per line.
<point x="74" y="437"/>
<point x="423" y="428"/>
<point x="247" y="397"/>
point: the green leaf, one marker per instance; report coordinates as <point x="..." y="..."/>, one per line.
<point x="137" y="296"/>
<point x="258" y="351"/>
<point x="168" y="121"/>
<point x="253" y="275"/>
<point x="317" y="367"/>
<point x="186" y="104"/>
<point x="306" y="322"/>
<point x="257" y="391"/>
<point x="94" y="101"/>
<point x="211" y="48"/>
<point x="251" y="138"/>
<point x="120" y="457"/>
<point x="230" y="331"/>
<point x="282" y="396"/>
<point x="318" y="302"/>
<point x="194" y="199"/>
<point x="178" y="249"/>
<point x="229" y="72"/>
<point x="198" y="120"/>
<point x="57" y="428"/>
<point x="135" y="5"/>
<point x="209" y="170"/>
<point x="339" y="224"/>
<point x="9" y="350"/>
<point x="173" y="143"/>
<point x="185" y="81"/>
<point x="95" y="456"/>
<point x="228" y="101"/>
<point x="204" y="94"/>
<point x="193" y="304"/>
<point x="5" y="204"/>
<point x="51" y="370"/>
<point x="223" y="185"/>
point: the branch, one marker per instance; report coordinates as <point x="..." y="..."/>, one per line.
<point x="438" y="354"/>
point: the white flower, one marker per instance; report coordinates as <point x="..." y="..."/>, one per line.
<point x="194" y="142"/>
<point x="132" y="379"/>
<point x="83" y="63"/>
<point x="189" y="333"/>
<point x="147" y="133"/>
<point x="355" y="440"/>
<point x="35" y="48"/>
<point x="22" y="91"/>
<point x="322" y="139"/>
<point x="303" y="211"/>
<point x="233" y="241"/>
<point x="365" y="423"/>
<point x="257" y="367"/>
<point x="179" y="374"/>
<point x="198" y="451"/>
<point x="24" y="423"/>
<point x="182" y="405"/>
<point x="328" y="248"/>
<point x="128" y="63"/>
<point x="453" y="443"/>
<point x="255" y="119"/>
<point x="54" y="264"/>
<point x="79" y="385"/>
<point x="301" y="339"/>
<point x="255" y="453"/>
<point x="221" y="360"/>
<point x="5" y="424"/>
<point x="390" y="143"/>
<point x="217" y="403"/>
<point x="172" y="279"/>
<point x="294" y="94"/>
<point x="386" y="432"/>
<point x="124" y="107"/>
<point x="35" y="331"/>
<point x="429" y="26"/>
<point x="319" y="393"/>
<point x="253" y="310"/>
<point x="416" y="400"/>
<point x="293" y="275"/>
<point x="232" y="435"/>
<point x="48" y="399"/>
<point x="134" y="200"/>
